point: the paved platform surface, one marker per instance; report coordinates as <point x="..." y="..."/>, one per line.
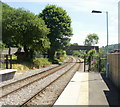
<point x="89" y="88"/>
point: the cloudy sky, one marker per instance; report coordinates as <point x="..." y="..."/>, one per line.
<point x="83" y="21"/>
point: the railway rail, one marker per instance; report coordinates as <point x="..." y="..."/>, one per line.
<point x="21" y="85"/>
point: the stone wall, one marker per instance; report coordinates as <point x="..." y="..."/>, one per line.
<point x="114" y="68"/>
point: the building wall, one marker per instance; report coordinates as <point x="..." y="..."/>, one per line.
<point x="114" y="68"/>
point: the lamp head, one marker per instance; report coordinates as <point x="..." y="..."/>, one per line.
<point x="95" y="11"/>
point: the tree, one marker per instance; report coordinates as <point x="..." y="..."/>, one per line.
<point x="102" y="52"/>
<point x="92" y="54"/>
<point x="76" y="53"/>
<point x="7" y="19"/>
<point x="2" y="45"/>
<point x="91" y="39"/>
<point x="24" y="29"/>
<point x="75" y="44"/>
<point x="60" y="28"/>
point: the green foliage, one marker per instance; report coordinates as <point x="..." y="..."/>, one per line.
<point x="22" y="28"/>
<point x="70" y="52"/>
<point x="2" y="45"/>
<point x="90" y="56"/>
<point x="60" y="55"/>
<point x="102" y="55"/>
<point x="76" y="53"/>
<point x="91" y="39"/>
<point x="60" y="27"/>
<point x="20" y="67"/>
<point x="75" y="44"/>
<point x="41" y="62"/>
<point x="98" y="57"/>
<point x="92" y="52"/>
<point x="102" y="52"/>
<point x="112" y="47"/>
<point x="102" y="64"/>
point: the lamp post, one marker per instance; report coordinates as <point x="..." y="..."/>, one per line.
<point x="95" y="11"/>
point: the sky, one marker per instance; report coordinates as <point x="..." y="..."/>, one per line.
<point x="83" y="21"/>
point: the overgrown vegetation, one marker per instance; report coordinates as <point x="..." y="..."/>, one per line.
<point x="77" y="53"/>
<point x="25" y="65"/>
<point x="95" y="60"/>
<point x="2" y="46"/>
<point x="20" y="67"/>
<point x="41" y="62"/>
<point x="60" y="56"/>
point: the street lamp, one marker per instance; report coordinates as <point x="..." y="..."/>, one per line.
<point x="95" y="11"/>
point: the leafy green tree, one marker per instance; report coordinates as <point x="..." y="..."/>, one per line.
<point x="102" y="52"/>
<point x="91" y="39"/>
<point x="92" y="54"/>
<point x="60" y="28"/>
<point x="23" y="29"/>
<point x="76" y="53"/>
<point x="75" y="44"/>
<point x="7" y="19"/>
<point x="2" y="46"/>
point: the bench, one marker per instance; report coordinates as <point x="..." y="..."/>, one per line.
<point x="7" y="74"/>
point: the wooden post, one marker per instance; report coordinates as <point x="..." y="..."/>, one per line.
<point x="89" y="63"/>
<point x="84" y="62"/>
<point x="10" y="61"/>
<point x="99" y="62"/>
<point x="6" y="61"/>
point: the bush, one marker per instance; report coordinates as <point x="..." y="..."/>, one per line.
<point x="76" y="53"/>
<point x="60" y="56"/>
<point x="20" y="67"/>
<point x="41" y="62"/>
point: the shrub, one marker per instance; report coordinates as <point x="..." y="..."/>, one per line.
<point x="60" y="56"/>
<point x="20" y="67"/>
<point x="41" y="62"/>
<point x="76" y="53"/>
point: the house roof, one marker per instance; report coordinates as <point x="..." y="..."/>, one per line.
<point x="6" y="51"/>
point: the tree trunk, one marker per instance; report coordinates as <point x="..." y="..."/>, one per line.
<point x="25" y="49"/>
<point x="9" y="52"/>
<point x="31" y="54"/>
<point x="89" y="61"/>
<point x="26" y="53"/>
<point x="51" y="54"/>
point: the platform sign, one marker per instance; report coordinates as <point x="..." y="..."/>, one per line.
<point x="94" y="62"/>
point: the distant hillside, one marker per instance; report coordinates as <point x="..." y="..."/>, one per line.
<point x="112" y="47"/>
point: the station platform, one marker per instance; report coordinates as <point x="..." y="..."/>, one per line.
<point x="89" y="88"/>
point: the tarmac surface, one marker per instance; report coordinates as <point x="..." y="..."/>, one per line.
<point x="92" y="89"/>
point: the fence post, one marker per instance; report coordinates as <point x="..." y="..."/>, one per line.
<point x="84" y="62"/>
<point x="6" y="61"/>
<point x="10" y="61"/>
<point x="99" y="62"/>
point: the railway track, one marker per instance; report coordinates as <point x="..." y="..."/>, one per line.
<point x="19" y="85"/>
<point x="36" y="99"/>
<point x="22" y="83"/>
